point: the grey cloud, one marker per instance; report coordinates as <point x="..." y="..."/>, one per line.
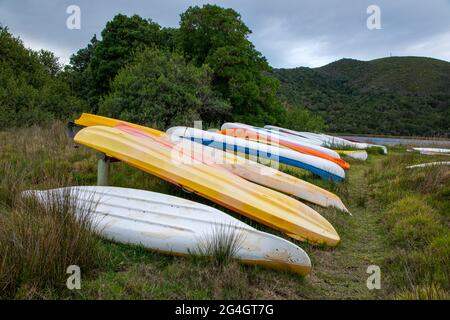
<point x="288" y="32"/>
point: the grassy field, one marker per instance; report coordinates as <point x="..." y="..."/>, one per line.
<point x="400" y="223"/>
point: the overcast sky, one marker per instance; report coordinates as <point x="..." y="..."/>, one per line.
<point x="289" y="33"/>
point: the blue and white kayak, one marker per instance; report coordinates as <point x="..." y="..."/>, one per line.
<point x="265" y="153"/>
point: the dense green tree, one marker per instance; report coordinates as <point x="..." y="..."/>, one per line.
<point x="92" y="69"/>
<point x="49" y="61"/>
<point x="81" y="60"/>
<point x="206" y="29"/>
<point x="160" y="89"/>
<point x="218" y="37"/>
<point x="121" y="37"/>
<point x="169" y="38"/>
<point x="30" y="91"/>
<point x="301" y="119"/>
<point x="78" y="74"/>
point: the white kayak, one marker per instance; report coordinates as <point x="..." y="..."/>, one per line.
<point x="429" y="164"/>
<point x="355" y="154"/>
<point x="274" y="135"/>
<point x="292" y="133"/>
<point x="177" y="226"/>
<point x="264" y="152"/>
<point x="329" y="141"/>
<point x="432" y="150"/>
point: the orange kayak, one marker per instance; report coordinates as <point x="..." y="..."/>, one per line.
<point x="279" y="141"/>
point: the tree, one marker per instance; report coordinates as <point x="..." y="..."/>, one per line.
<point x="78" y="74"/>
<point x="169" y="38"/>
<point x="80" y="61"/>
<point x="300" y="119"/>
<point x="216" y="36"/>
<point x="121" y="38"/>
<point x="160" y="89"/>
<point x="49" y="61"/>
<point x="29" y="92"/>
<point x="204" y="30"/>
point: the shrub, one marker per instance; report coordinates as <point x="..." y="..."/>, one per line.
<point x="220" y="247"/>
<point x="300" y="119"/>
<point x="39" y="241"/>
<point x="29" y="94"/>
<point x="416" y="230"/>
<point x="405" y="208"/>
<point x="160" y="89"/>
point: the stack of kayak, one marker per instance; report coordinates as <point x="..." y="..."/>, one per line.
<point x="235" y="167"/>
<point x="327" y="140"/>
<point x="325" y="167"/>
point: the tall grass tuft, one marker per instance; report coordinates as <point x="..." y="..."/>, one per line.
<point x="430" y="292"/>
<point x="40" y="239"/>
<point x="220" y="246"/>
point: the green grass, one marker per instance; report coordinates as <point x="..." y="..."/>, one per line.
<point x="38" y="242"/>
<point x="416" y="217"/>
<point x="400" y="222"/>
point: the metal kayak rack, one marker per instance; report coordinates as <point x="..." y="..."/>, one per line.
<point x="103" y="160"/>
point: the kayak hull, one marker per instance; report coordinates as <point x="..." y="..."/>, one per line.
<point x="329" y="141"/>
<point x="279" y="141"/>
<point x="245" y="168"/>
<point x="355" y="154"/>
<point x="256" y="202"/>
<point x="307" y="143"/>
<point x="321" y="167"/>
<point x="253" y="171"/>
<point x="177" y="226"/>
<point x="429" y="164"/>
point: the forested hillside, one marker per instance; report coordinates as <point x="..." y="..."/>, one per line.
<point x="397" y="95"/>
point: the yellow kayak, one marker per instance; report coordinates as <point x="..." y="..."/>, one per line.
<point x="247" y="169"/>
<point x="266" y="206"/>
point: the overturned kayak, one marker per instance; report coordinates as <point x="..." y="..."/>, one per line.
<point x="177" y="226"/>
<point x="294" y="135"/>
<point x="432" y="150"/>
<point x="254" y="134"/>
<point x="355" y="154"/>
<point x="329" y="141"/>
<point x="274" y="135"/>
<point x="429" y="164"/>
<point x="245" y="168"/>
<point x="264" y="152"/>
<point x="266" y="206"/>
<point x="249" y="170"/>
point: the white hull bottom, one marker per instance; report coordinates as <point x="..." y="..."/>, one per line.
<point x="177" y="226"/>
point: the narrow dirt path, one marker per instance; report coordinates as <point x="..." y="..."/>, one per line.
<point x="341" y="273"/>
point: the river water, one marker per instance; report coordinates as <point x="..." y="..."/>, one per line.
<point x="390" y="141"/>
